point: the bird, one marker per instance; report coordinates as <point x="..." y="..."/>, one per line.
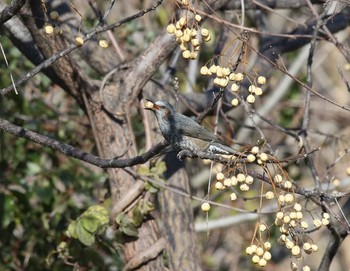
<point x="184" y="133"/>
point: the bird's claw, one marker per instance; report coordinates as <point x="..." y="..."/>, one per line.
<point x="183" y="154"/>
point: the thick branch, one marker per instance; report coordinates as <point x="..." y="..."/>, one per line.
<point x="11" y="10"/>
<point x="76" y="153"/>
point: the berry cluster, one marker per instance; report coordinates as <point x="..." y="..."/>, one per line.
<point x="49" y="28"/>
<point x="260" y="253"/>
<point x="189" y="38"/>
<point x="224" y="75"/>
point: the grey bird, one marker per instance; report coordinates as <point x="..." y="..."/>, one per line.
<point x="183" y="133"/>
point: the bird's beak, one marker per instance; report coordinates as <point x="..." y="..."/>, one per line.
<point x="150" y="105"/>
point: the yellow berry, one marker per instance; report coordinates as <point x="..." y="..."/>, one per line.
<point x="249" y="179"/>
<point x="48" y="29"/>
<point x="204" y="32"/>
<point x="234" y="181"/>
<point x="325" y="221"/>
<point x="296" y="250"/>
<point x="235" y="102"/>
<point x="286" y="219"/>
<point x="258" y="91"/>
<point x="317" y="223"/>
<point x="185" y="2"/>
<point x="233" y="196"/>
<point x="239" y="77"/>
<point x="251" y="99"/>
<point x="267" y="245"/>
<point x="219" y="186"/>
<point x="149" y="104"/>
<point x="288" y="184"/>
<point x="244" y="187"/>
<point x="234" y="87"/>
<point x="280" y="215"/>
<point x="336" y="182"/>
<point x="226" y="71"/>
<point x="281" y="199"/>
<point x="251" y="158"/>
<point x="263" y="157"/>
<point x="304" y="224"/>
<point x="193" y="55"/>
<point x="261" y="80"/>
<point x="299" y="216"/>
<point x="220" y="176"/>
<point x="255" y="150"/>
<point x="251" y="88"/>
<point x="326" y="216"/>
<point x="314" y="247"/>
<point x="79" y="41"/>
<point x="54" y="15"/>
<point x="213" y="68"/>
<point x="348" y="171"/>
<point x="204" y="70"/>
<point x="186" y="54"/>
<point x="207" y="39"/>
<point x="171" y="29"/>
<point x="198" y="17"/>
<point x="289" y="198"/>
<point x="269" y="195"/>
<point x="307" y="246"/>
<point x="232" y="76"/>
<point x="255" y="259"/>
<point x="240" y="177"/>
<point x="262" y="262"/>
<point x="259" y="251"/>
<point x="103" y="43"/>
<point x="249" y="250"/>
<point x="182" y="21"/>
<point x="223" y="82"/>
<point x="262" y="228"/>
<point x="267" y="255"/>
<point x="227" y="182"/>
<point x="289" y="244"/>
<point x="297" y="207"/>
<point x="216" y="81"/>
<point x="293" y="223"/>
<point x="195" y="42"/>
<point x="178" y="33"/>
<point x="306" y="268"/>
<point x="205" y="206"/>
<point x="193" y="32"/>
<point x="186" y="38"/>
<point x="278" y="178"/>
<point x="219" y="71"/>
<point x="293" y="215"/>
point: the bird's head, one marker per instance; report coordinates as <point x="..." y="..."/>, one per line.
<point x="162" y="109"/>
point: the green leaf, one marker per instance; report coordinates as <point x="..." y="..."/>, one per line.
<point x="144" y="170"/>
<point x="137" y="216"/>
<point x="84" y="236"/>
<point x="130" y="230"/>
<point x="89" y="223"/>
<point x="152" y="188"/>
<point x="147" y="207"/>
<point x="72" y="231"/>
<point x="161" y="168"/>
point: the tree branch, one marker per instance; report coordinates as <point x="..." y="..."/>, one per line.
<point x="11" y="10"/>
<point x="78" y="154"/>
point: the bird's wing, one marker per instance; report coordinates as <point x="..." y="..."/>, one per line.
<point x="189" y="127"/>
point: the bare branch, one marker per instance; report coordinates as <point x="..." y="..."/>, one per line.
<point x="78" y="154"/>
<point x="11" y="10"/>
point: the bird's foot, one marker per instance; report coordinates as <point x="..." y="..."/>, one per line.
<point x="185" y="153"/>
